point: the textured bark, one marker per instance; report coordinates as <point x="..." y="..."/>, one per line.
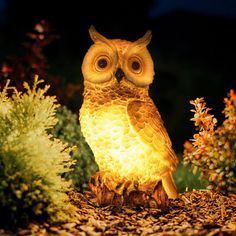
<point x="195" y="213"/>
<point x="130" y="193"/>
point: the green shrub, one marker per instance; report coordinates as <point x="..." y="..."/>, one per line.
<point x="213" y="149"/>
<point x="31" y="161"/>
<point x="68" y="130"/>
<point x="186" y="180"/>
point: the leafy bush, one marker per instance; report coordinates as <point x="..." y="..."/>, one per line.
<point x="33" y="60"/>
<point x="186" y="180"/>
<point x="213" y="149"/>
<point x="68" y="130"/>
<point x="31" y="161"/>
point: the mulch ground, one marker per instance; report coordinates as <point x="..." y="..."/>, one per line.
<point x="199" y="212"/>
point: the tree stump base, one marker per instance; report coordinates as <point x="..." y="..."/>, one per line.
<point x="108" y="191"/>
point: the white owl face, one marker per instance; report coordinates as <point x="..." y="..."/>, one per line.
<point x="115" y="60"/>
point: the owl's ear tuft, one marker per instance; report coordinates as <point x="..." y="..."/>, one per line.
<point x="145" y="40"/>
<point x="95" y="36"/>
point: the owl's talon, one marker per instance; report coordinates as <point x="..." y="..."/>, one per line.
<point x="127" y="193"/>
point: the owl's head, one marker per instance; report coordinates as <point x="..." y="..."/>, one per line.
<point x="114" y="60"/>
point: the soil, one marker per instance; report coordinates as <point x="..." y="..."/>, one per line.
<point x="199" y="212"/>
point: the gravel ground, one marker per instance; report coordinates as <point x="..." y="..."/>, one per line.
<point x="199" y="212"/>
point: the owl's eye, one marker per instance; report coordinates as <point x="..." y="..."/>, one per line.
<point x="102" y="63"/>
<point x="135" y="65"/>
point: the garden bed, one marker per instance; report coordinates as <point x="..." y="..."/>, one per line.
<point x="199" y="212"/>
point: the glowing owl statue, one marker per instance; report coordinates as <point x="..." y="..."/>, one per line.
<point x="123" y="126"/>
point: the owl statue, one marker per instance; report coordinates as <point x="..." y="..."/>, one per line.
<point x="122" y="125"/>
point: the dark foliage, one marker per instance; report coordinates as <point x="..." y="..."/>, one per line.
<point x="68" y="131"/>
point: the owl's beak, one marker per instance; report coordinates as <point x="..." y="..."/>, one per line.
<point x="119" y="74"/>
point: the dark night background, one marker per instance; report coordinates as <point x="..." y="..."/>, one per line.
<point x="193" y="46"/>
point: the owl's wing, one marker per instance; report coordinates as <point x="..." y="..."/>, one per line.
<point x="146" y="120"/>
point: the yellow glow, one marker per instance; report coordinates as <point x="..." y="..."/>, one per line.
<point x="123" y="153"/>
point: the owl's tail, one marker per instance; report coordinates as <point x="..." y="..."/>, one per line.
<point x="169" y="185"/>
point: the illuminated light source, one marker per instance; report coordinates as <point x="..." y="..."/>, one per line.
<point x="123" y="127"/>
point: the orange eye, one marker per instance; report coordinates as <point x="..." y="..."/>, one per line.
<point x="102" y="63"/>
<point x="135" y="65"/>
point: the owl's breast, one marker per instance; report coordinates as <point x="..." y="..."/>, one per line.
<point x="105" y="125"/>
<point x="116" y="145"/>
